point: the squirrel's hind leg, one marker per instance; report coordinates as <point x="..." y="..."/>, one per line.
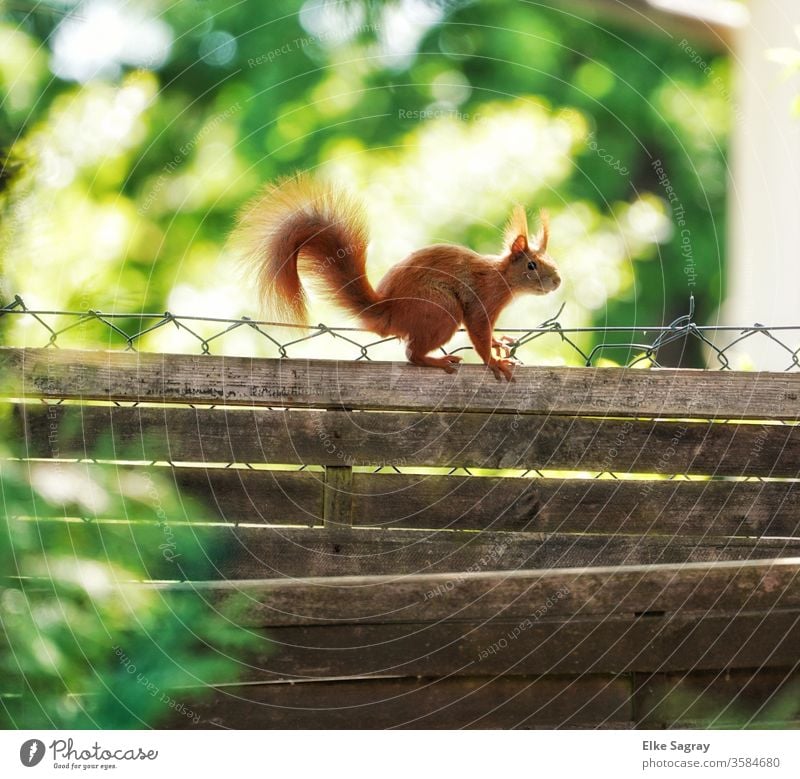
<point x="447" y="362"/>
<point x="419" y="347"/>
<point x="427" y="326"/>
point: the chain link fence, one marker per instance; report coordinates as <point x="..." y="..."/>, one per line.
<point x="642" y="347"/>
<point x="720" y="347"/>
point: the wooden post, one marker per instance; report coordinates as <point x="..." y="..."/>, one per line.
<point x="338" y="496"/>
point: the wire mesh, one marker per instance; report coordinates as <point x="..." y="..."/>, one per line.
<point x="590" y="346"/>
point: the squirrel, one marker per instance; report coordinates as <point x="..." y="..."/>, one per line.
<point x="421" y="300"/>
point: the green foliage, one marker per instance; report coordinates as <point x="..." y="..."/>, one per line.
<point x="692" y="704"/>
<point x="83" y="643"/>
<point x="442" y="115"/>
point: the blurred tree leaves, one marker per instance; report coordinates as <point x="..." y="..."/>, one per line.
<point x="82" y="644"/>
<point x="130" y="183"/>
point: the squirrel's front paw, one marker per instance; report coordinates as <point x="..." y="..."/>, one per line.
<point x="502" y="368"/>
<point x="505" y="345"/>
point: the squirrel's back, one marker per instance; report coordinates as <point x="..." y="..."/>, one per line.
<point x="301" y="219"/>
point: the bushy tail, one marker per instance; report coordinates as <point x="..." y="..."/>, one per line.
<point x="325" y="229"/>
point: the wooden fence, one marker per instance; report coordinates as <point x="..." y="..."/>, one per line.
<point x="448" y="556"/>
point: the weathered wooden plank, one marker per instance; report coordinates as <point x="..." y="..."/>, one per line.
<point x="722" y="698"/>
<point x="243" y="495"/>
<point x="229" y="552"/>
<point x="77" y="489"/>
<point x="572" y="645"/>
<point x="393" y="500"/>
<point x="371" y="438"/>
<point x="712" y="508"/>
<point x="66" y="373"/>
<point x="507" y="702"/>
<point x="478" y="595"/>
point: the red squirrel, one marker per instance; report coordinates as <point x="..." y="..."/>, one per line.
<point x="422" y="300"/>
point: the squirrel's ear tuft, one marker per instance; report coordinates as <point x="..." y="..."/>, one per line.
<point x="517" y="230"/>
<point x="544" y="231"/>
<point x="519" y="244"/>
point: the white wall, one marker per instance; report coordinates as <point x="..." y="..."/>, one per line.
<point x="764" y="191"/>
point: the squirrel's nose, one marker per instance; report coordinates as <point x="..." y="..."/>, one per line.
<point x="555" y="281"/>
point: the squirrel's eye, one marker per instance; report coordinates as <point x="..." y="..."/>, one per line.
<point x="531" y="265"/>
